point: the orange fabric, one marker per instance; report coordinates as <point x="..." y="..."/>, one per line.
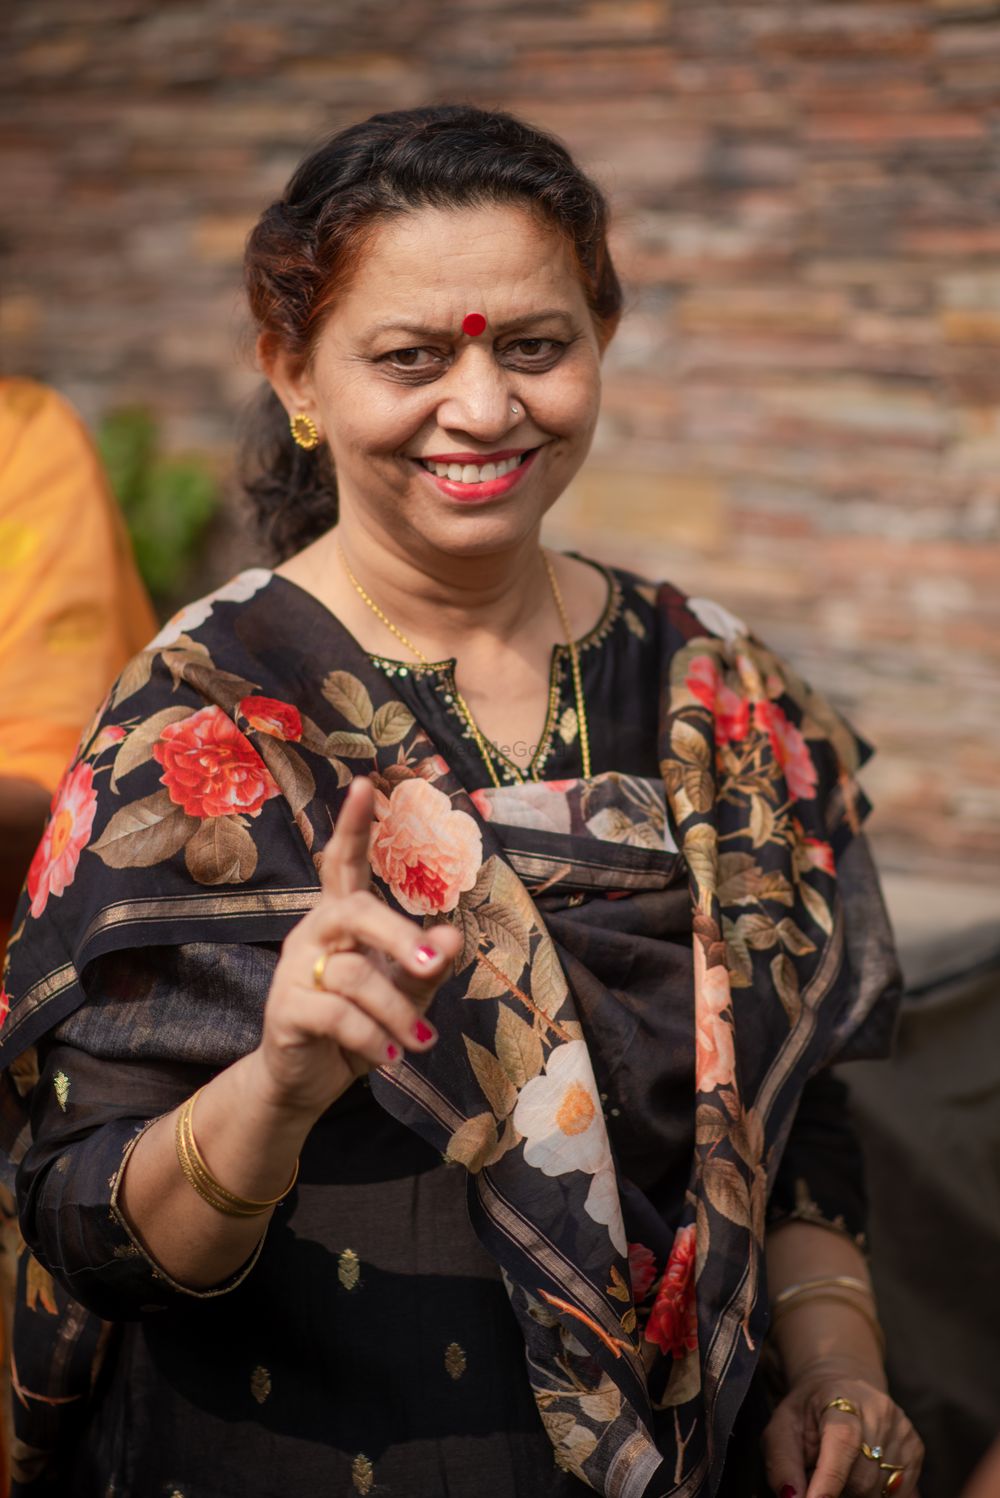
<point x="72" y="606"/>
<point x="72" y="612"/>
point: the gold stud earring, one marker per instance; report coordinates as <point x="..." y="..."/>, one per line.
<point x="304" y="431"/>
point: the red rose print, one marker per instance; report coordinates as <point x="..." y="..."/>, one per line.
<point x="210" y="768"/>
<point x="112" y="734"/>
<point x="790" y="749"/>
<point x="53" y="867"/>
<point x="268" y="715"/>
<point x="642" y="1270"/>
<point x="730" y="710"/>
<point x="816" y="853"/>
<point x="673" y="1321"/>
<point x="425" y="850"/>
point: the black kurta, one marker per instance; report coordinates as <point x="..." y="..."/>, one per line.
<point x="371" y="1346"/>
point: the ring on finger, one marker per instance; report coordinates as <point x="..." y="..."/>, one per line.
<point x="847" y="1405"/>
<point x="894" y="1481"/>
<point x="319" y="966"/>
<point x="873" y="1453"/>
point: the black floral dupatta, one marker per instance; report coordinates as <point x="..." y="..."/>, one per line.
<point x="195" y="811"/>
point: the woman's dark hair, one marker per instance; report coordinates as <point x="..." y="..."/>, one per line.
<point x="301" y="253"/>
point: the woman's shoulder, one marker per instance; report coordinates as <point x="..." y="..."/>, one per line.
<point x="239" y="589"/>
<point x="693" y="615"/>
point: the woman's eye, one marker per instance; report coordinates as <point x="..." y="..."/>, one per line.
<point x="411" y="358"/>
<point x="534" y="352"/>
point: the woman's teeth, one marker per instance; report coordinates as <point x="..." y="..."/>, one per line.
<point x="468" y="473"/>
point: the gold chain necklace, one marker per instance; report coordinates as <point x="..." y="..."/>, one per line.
<point x="574" y="656"/>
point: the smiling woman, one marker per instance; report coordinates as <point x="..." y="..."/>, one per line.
<point x="435" y="1016"/>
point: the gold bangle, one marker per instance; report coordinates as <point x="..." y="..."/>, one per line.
<point x="834" y="1293"/>
<point x="201" y="1179"/>
<point x="842" y="1281"/>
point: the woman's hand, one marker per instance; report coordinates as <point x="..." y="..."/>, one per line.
<point x="380" y="974"/>
<point x="804" y="1433"/>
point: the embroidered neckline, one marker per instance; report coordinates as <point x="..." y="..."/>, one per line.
<point x="445" y="670"/>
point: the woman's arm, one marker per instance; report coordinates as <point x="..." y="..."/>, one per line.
<point x="248" y="1143"/>
<point x="87" y="1115"/>
<point x="830" y="1351"/>
<point x="812" y="1333"/>
<point x="379" y="972"/>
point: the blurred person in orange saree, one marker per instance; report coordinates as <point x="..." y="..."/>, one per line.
<point x="72" y="610"/>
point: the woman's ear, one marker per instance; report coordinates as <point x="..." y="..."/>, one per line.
<point x="288" y="377"/>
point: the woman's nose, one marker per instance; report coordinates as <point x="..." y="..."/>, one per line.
<point x="477" y="397"/>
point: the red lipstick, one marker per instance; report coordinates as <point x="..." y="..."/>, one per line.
<point x="470" y="494"/>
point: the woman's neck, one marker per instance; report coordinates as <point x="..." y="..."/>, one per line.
<point x="443" y="604"/>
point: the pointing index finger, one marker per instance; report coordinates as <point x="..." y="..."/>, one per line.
<point x="345" y="868"/>
<point x="840" y="1443"/>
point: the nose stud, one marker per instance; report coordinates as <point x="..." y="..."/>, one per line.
<point x="514" y="411"/>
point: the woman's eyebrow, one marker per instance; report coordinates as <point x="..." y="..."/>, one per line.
<point x="423" y="330"/>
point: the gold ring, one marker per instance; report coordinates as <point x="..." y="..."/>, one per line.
<point x="842" y="1404"/>
<point x="319" y="971"/>
<point x="873" y="1453"/>
<point x="894" y="1481"/>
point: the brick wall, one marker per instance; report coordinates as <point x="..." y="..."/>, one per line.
<point x="803" y="405"/>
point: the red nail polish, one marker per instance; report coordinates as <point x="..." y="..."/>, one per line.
<point x="788" y="1491"/>
<point x="426" y="954"/>
<point x="391" y="1052"/>
<point x="423" y="1031"/>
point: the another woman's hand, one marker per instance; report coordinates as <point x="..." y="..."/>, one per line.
<point x="381" y="971"/>
<point x="805" y="1434"/>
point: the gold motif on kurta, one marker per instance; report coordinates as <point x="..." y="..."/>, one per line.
<point x="635" y="624"/>
<point x="569" y="725"/>
<point x="39" y="1289"/>
<point x="60" y="1083"/>
<point x="349" y="1269"/>
<point x="455" y="1360"/>
<point x="260" y="1384"/>
<point x="362" y="1474"/>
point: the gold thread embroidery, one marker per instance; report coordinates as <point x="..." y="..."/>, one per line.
<point x="349" y="1269"/>
<point x="290" y="901"/>
<point x="39" y="1288"/>
<point x="260" y="1384"/>
<point x="43" y="992"/>
<point x="60" y="1083"/>
<point x="635" y="624"/>
<point x="362" y="1474"/>
<point x="455" y="1361"/>
<point x="569" y="725"/>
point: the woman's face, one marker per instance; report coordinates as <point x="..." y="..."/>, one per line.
<point x="398" y="390"/>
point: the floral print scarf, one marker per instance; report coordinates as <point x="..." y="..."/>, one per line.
<point x="195" y="810"/>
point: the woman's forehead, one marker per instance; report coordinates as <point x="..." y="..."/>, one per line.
<point x="436" y="264"/>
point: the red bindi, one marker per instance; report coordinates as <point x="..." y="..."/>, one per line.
<point x="474" y="324"/>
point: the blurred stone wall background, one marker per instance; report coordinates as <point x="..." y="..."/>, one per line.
<point x="803" y="405"/>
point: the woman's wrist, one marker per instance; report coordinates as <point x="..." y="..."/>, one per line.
<point x="840" y="1365"/>
<point x="277" y="1125"/>
<point x="815" y="1335"/>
